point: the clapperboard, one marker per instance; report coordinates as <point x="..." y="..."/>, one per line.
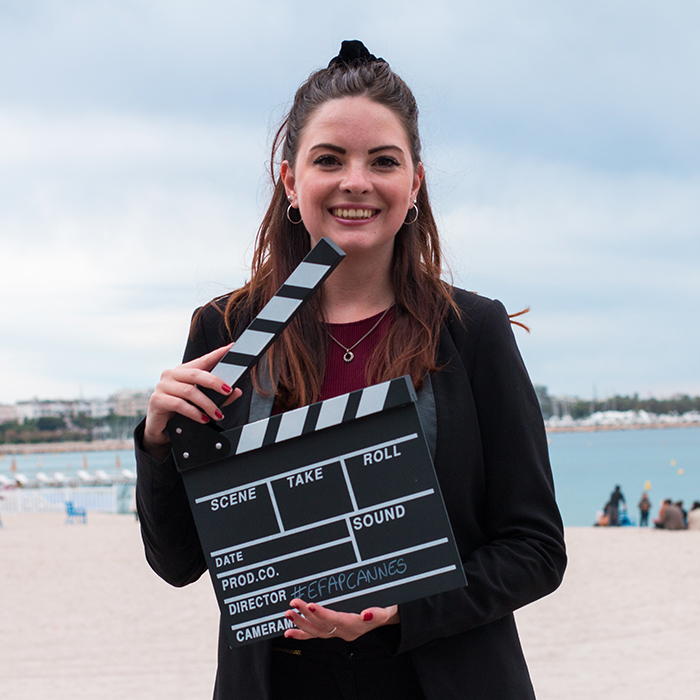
<point x="336" y="503"/>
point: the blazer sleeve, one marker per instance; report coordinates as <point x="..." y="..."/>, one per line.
<point x="168" y="531"/>
<point x="494" y="471"/>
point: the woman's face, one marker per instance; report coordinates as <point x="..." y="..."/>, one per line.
<point x="354" y="179"/>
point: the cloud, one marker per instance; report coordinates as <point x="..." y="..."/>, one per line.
<point x="113" y="230"/>
<point x="608" y="263"/>
<point x="560" y="141"/>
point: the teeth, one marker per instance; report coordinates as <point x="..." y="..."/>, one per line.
<point x="353" y="213"/>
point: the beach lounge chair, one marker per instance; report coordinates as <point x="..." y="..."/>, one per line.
<point x="85" y="477"/>
<point x="73" y="512"/>
<point x="102" y="477"/>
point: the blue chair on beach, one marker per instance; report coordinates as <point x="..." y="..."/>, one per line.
<point x="73" y="512"/>
<point x="623" y="520"/>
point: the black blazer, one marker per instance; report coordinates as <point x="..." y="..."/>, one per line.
<point x="492" y="464"/>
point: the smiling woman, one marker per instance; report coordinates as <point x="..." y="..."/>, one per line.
<point x="347" y="165"/>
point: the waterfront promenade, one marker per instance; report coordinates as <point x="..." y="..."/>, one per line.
<point x="128" y="444"/>
<point x="54" y="447"/>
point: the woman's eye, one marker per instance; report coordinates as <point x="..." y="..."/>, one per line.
<point x="326" y="160"/>
<point x="386" y="162"/>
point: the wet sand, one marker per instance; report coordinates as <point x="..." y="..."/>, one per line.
<point x="84" y="618"/>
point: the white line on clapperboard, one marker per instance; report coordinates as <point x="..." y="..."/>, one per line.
<point x="381" y="587"/>
<point x="353" y="502"/>
<point x="284" y="557"/>
<point x="284" y="475"/>
<point x="338" y="570"/>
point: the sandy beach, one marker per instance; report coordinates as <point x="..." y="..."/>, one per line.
<point x="84" y="618"/>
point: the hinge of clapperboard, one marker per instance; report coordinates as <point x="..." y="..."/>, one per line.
<point x="186" y="435"/>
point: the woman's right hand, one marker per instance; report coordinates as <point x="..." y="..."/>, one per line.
<point x="178" y="392"/>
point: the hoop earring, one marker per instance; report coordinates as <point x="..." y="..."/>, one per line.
<point x="289" y="218"/>
<point x="415" y="218"/>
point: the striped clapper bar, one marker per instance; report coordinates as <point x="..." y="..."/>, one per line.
<point x="336" y="503"/>
<point x="276" y="315"/>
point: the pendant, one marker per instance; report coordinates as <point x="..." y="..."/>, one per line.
<point x="349" y="356"/>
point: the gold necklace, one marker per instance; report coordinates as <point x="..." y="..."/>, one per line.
<point x="349" y="355"/>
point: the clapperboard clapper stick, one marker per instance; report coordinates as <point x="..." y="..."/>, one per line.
<point x="336" y="503"/>
<point x="277" y="314"/>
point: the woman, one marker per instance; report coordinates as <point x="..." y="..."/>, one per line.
<point x="351" y="170"/>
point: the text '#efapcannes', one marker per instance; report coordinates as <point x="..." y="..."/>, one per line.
<point x="330" y="586"/>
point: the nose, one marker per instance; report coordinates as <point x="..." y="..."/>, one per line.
<point x="356" y="179"/>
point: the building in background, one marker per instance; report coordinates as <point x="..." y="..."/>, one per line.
<point x="124" y="403"/>
<point x="130" y="403"/>
<point x="8" y="414"/>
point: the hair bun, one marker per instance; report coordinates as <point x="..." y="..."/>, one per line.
<point x="354" y="53"/>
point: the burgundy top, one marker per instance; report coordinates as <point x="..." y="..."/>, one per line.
<point x="343" y="377"/>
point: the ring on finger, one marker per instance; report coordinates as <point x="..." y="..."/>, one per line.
<point x="332" y="631"/>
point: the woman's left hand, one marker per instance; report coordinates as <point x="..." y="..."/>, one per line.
<point x="313" y="621"/>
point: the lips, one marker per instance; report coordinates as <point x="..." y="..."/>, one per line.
<point x="353" y="213"/>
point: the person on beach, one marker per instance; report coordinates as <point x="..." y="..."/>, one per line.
<point x="664" y="504"/>
<point x="694" y="516"/>
<point x="644" y="510"/>
<point x="613" y="507"/>
<point x="683" y="511"/>
<point x="670" y="517"/>
<point x="349" y="168"/>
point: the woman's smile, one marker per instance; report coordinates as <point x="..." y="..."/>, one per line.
<point x="354" y="214"/>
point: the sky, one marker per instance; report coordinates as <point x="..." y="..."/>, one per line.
<point x="561" y="146"/>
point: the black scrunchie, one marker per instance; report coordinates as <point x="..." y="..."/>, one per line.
<point x="354" y="53"/>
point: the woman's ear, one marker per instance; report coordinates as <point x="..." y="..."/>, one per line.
<point x="418" y="175"/>
<point x="288" y="180"/>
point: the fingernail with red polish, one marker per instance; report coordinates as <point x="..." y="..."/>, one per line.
<point x="219" y="415"/>
<point x="226" y="388"/>
<point x="205" y="419"/>
<point x="367" y="616"/>
<point x="312" y="608"/>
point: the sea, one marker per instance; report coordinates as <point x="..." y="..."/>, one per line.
<point x="586" y="466"/>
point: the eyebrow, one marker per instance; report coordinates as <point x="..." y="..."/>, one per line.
<point x="339" y="149"/>
<point x="385" y="148"/>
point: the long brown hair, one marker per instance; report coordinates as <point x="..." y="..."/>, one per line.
<point x="297" y="360"/>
